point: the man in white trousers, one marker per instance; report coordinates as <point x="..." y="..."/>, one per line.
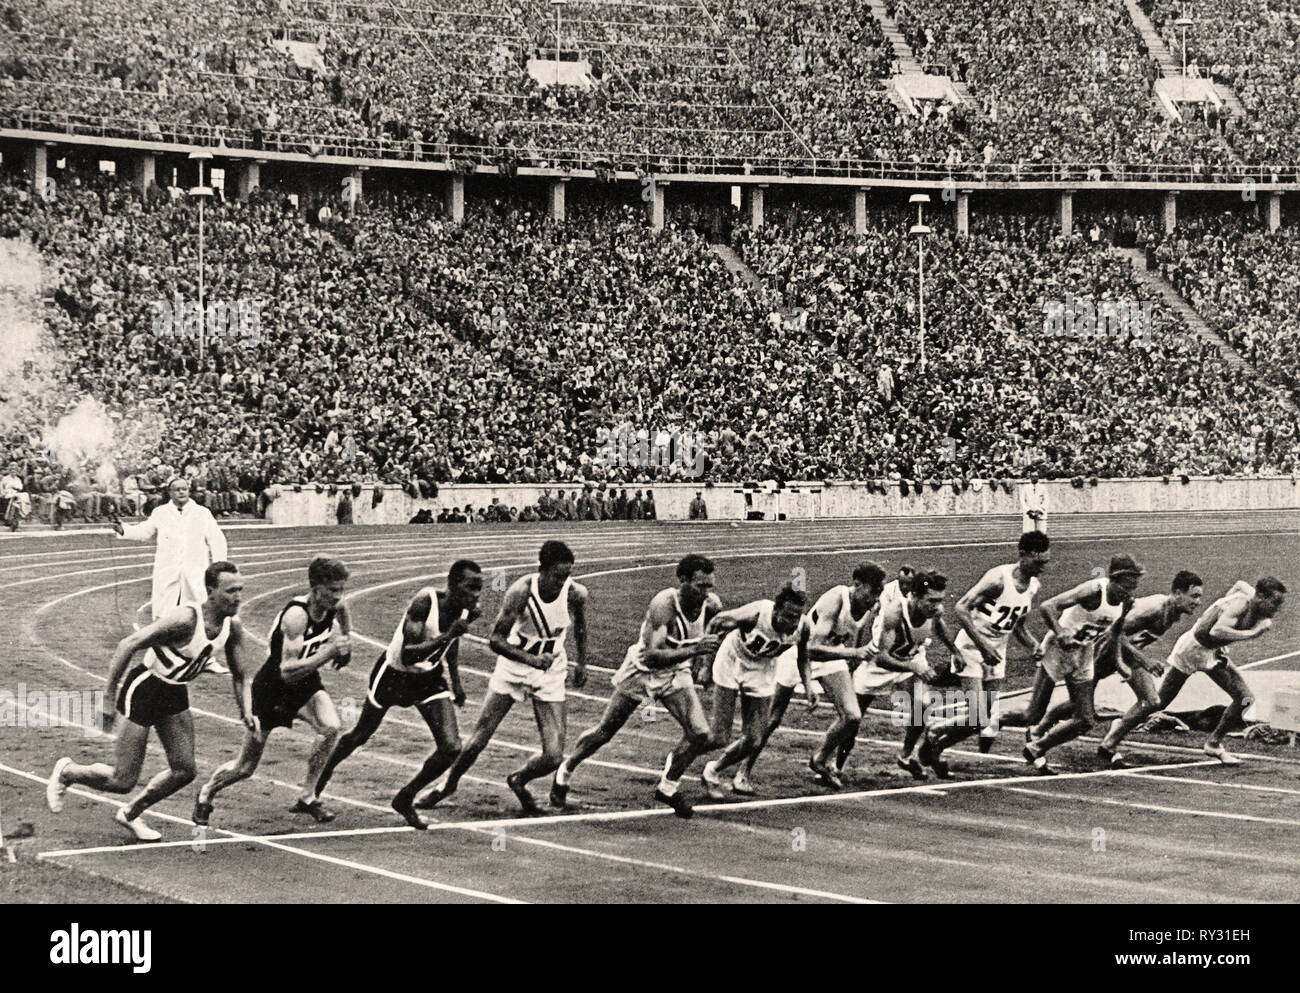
<point x="188" y="542"/>
<point x="1033" y="505"/>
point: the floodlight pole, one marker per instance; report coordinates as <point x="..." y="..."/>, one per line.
<point x="202" y="192"/>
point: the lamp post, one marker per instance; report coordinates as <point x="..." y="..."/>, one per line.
<point x="201" y="191"/>
<point x="557" y="4"/>
<point x="1183" y="24"/>
<point x="919" y="230"/>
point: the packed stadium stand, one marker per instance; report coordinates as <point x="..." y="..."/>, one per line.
<point x="395" y="343"/>
<point x="1063" y="90"/>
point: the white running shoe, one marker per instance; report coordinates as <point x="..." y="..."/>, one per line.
<point x="712" y="783"/>
<point x="55" y="788"/>
<point x="137" y="827"/>
<point x="741" y="784"/>
<point x="1222" y="754"/>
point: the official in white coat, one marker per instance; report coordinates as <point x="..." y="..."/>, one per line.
<point x="188" y="542"/>
<point x="1033" y="506"/>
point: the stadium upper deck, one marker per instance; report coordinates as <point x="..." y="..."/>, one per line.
<point x="1061" y="92"/>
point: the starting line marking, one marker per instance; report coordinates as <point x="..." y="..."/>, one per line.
<point x="623" y="815"/>
<point x="269" y="841"/>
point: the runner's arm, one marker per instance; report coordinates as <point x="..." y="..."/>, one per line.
<point x="984" y="592"/>
<point x="512" y="607"/>
<point x="578" y="611"/>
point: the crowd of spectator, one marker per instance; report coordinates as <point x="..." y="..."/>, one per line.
<point x="749" y="83"/>
<point x="397" y="348"/>
<point x="1252" y="47"/>
<point x="1245" y="282"/>
<point x="1001" y="392"/>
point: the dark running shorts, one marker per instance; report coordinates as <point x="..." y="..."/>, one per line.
<point x="145" y="699"/>
<point x="391" y="688"/>
<point x="276" y="702"/>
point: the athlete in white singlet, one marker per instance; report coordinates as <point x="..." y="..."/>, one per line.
<point x="1243" y="613"/>
<point x="1076" y="620"/>
<point x="838" y="637"/>
<point x="309" y="633"/>
<point x="529" y="641"/>
<point x="179" y="645"/>
<point x="894" y="593"/>
<point x="745" y="666"/>
<point x="989" y="613"/>
<point x="657" y="667"/>
<point x="898" y="662"/>
<point x="1146" y="622"/>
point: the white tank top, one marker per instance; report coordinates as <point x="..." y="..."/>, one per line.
<point x="681" y="632"/>
<point x="845" y="632"/>
<point x="432" y="628"/>
<point x="540" y="626"/>
<point x="889" y="596"/>
<point x="183" y="665"/>
<point x="1087" y="625"/>
<point x="762" y="644"/>
<point x="906" y="639"/>
<point x="1155" y="627"/>
<point x="995" y="620"/>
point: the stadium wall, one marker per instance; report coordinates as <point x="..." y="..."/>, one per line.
<point x="805" y="501"/>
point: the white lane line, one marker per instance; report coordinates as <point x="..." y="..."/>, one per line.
<point x="681" y="870"/>
<point x="707" y="808"/>
<point x="266" y="841"/>
<point x="1162" y="778"/>
<point x="1158" y="808"/>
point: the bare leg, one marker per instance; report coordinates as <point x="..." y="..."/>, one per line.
<point x="779" y="703"/>
<point x="1082" y="720"/>
<point x="550" y="726"/>
<point x="839" y="686"/>
<point x="319" y="712"/>
<point x="1229" y="679"/>
<point x="494" y="711"/>
<point x="440" y="715"/>
<point x="621" y="706"/>
<point x="1150" y="699"/>
<point x="754" y="714"/>
<point x="686" y="708"/>
<point x="177" y="736"/>
<point x="848" y="741"/>
<point x="236" y="769"/>
<point x="367" y="724"/>
<point x="120" y="777"/>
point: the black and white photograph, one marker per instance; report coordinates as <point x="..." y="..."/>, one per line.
<point x="652" y="452"/>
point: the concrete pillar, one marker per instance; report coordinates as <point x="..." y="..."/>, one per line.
<point x="1171" y="211"/>
<point x="555" y="204"/>
<point x="144" y="170"/>
<point x="250" y="177"/>
<point x="963" y="213"/>
<point x="1065" y="212"/>
<point x="860" y="210"/>
<point x="36" y="166"/>
<point x="1274" y="211"/>
<point x="656" y="205"/>
<point x="756" y="194"/>
<point x="354" y="188"/>
<point x="456" y="198"/>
